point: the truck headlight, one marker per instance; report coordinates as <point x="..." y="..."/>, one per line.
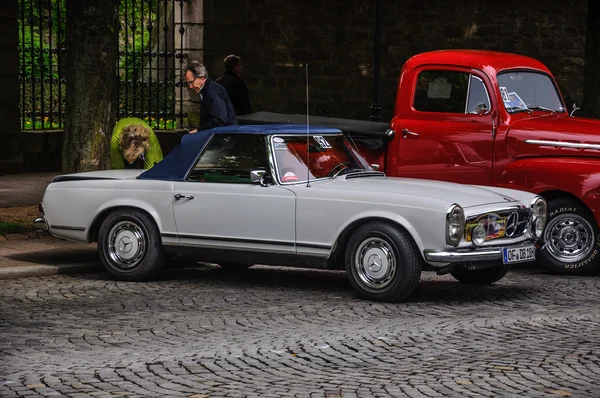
<point x="455" y="225"/>
<point x="539" y="216"/>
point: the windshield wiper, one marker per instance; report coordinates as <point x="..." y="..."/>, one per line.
<point x="542" y="108"/>
<point x="346" y="170"/>
<point x="514" y="109"/>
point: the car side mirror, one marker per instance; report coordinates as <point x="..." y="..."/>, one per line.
<point x="375" y="166"/>
<point x="260" y="176"/>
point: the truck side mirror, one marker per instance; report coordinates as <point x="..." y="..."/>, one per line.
<point x="482" y="109"/>
<point x="575" y="108"/>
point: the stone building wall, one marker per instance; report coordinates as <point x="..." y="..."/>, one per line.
<point x="335" y="37"/>
<point x="276" y="38"/>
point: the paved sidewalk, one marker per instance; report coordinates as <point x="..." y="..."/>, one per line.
<point x="23" y="189"/>
<point x="27" y="255"/>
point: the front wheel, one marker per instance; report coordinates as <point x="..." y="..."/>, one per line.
<point x="571" y="239"/>
<point x="382" y="262"/>
<point x="130" y="247"/>
<point x="484" y="276"/>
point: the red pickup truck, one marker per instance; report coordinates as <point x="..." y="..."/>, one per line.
<point x="491" y="118"/>
<point x="496" y="119"/>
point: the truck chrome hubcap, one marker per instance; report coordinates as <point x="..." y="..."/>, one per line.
<point x="569" y="237"/>
<point x="126" y="244"/>
<point x="375" y="263"/>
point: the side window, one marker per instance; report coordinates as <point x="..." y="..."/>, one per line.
<point x="229" y="158"/>
<point x="441" y="91"/>
<point x="478" y="96"/>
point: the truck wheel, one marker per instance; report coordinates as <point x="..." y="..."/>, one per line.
<point x="484" y="276"/>
<point x="130" y="247"/>
<point x="382" y="262"/>
<point x="571" y="238"/>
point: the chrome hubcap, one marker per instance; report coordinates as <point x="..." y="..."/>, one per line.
<point x="569" y="238"/>
<point x="126" y="245"/>
<point x="375" y="263"/>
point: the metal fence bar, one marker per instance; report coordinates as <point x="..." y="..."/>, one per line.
<point x="41" y="61"/>
<point x="50" y="60"/>
<point x="59" y="51"/>
<point x="147" y="87"/>
<point x="181" y="57"/>
<point x="32" y="63"/>
<point x="22" y="61"/>
<point x="166" y="67"/>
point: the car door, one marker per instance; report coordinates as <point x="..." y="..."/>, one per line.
<point x="447" y="133"/>
<point x="219" y="207"/>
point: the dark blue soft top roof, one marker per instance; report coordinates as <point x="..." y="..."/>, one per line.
<point x="175" y="166"/>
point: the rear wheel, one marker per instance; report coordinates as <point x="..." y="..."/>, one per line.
<point x="130" y="247"/>
<point x="484" y="276"/>
<point x="571" y="239"/>
<point x="382" y="262"/>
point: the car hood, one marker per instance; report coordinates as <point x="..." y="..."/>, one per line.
<point x="465" y="195"/>
<point x="100" y="175"/>
<point x="553" y="128"/>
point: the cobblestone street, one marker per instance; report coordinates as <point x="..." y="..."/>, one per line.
<point x="208" y="332"/>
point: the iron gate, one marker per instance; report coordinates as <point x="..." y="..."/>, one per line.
<point x="150" y="67"/>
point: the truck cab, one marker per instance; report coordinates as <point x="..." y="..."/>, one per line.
<point x="498" y="119"/>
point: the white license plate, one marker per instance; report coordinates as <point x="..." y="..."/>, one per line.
<point x="518" y="255"/>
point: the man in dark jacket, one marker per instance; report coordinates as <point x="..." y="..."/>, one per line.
<point x="235" y="86"/>
<point x="215" y="107"/>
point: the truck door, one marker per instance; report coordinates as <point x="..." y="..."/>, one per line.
<point x="446" y="132"/>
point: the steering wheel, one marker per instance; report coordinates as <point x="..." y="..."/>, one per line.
<point x="337" y="166"/>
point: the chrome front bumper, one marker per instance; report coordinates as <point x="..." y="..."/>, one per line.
<point x="470" y="255"/>
<point x="41" y="226"/>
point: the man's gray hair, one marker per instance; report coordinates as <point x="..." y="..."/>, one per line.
<point x="197" y="69"/>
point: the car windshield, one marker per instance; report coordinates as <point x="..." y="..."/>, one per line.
<point x="522" y="91"/>
<point x="327" y="156"/>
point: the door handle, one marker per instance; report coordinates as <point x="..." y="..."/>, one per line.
<point x="406" y="132"/>
<point x="178" y="196"/>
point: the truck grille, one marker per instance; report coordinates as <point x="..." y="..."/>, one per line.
<point x="507" y="224"/>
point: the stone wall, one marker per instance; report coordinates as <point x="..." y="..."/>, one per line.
<point x="335" y="37"/>
<point x="10" y="156"/>
<point x="276" y="38"/>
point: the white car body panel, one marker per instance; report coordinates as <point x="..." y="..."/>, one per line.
<point x="236" y="216"/>
<point x="287" y="219"/>
<point x="304" y="219"/>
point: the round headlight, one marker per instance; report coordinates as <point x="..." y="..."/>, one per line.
<point x="455" y="225"/>
<point x="478" y="235"/>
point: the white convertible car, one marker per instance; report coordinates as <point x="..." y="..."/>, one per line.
<point x="295" y="196"/>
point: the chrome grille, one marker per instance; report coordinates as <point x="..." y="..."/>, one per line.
<point x="504" y="224"/>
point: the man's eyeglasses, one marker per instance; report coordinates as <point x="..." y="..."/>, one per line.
<point x="189" y="83"/>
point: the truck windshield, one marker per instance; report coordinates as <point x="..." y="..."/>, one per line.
<point x="326" y="156"/>
<point x="522" y="91"/>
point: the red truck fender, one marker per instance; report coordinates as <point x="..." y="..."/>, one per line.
<point x="572" y="177"/>
<point x="572" y="188"/>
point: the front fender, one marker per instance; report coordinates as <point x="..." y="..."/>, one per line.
<point x="576" y="176"/>
<point x="389" y="216"/>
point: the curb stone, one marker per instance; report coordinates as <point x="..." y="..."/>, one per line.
<point x="28" y="271"/>
<point x="16" y="237"/>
